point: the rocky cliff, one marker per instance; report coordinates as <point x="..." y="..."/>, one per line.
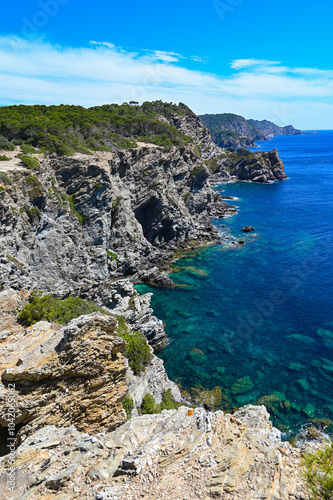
<point x="77" y="226"/>
<point x="72" y="375"/>
<point x="78" y="219"/>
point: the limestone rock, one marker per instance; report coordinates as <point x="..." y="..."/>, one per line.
<point x="72" y="375"/>
<point x="122" y="299"/>
<point x="176" y="454"/>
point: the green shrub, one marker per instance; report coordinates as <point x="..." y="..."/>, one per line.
<point x="128" y="405"/>
<point x="33" y="212"/>
<point x="5" y="179"/>
<point x="112" y="255"/>
<point x="4" y="158"/>
<point x="81" y="217"/>
<point x="148" y="405"/>
<point x="26" y="149"/>
<point x="29" y="161"/>
<point x="35" y="190"/>
<point x="318" y="473"/>
<point x="67" y="129"/>
<point x="168" y="403"/>
<point x="137" y="350"/>
<point x="53" y="309"/>
<point x="5" y="144"/>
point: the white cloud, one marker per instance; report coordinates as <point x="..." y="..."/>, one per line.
<point x="38" y="72"/>
<point x="161" y="55"/>
<point x="247" y="63"/>
<point x="103" y="44"/>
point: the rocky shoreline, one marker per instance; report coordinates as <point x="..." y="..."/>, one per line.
<point x="90" y="226"/>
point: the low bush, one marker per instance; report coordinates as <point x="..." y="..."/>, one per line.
<point x="51" y="308"/>
<point x="5" y="179"/>
<point x="168" y="403"/>
<point x="148" y="405"/>
<point x="5" y="144"/>
<point x="81" y="218"/>
<point x="29" y="161"/>
<point x="318" y="473"/>
<point x="128" y="405"/>
<point x="4" y="158"/>
<point x="26" y="149"/>
<point x="137" y="350"/>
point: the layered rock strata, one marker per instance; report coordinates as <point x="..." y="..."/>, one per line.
<point x="178" y="454"/>
<point x="72" y="375"/>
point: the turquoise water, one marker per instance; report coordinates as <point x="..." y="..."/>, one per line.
<point x="260" y="317"/>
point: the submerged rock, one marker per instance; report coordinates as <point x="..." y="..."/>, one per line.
<point x="242" y="386"/>
<point x="210" y="399"/>
<point x="197" y="356"/>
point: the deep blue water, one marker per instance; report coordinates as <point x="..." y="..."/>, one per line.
<point x="261" y="315"/>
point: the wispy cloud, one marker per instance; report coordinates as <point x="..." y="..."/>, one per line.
<point x="39" y="72"/>
<point x="248" y="63"/>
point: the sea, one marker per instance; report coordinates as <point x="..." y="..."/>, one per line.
<point x="253" y="322"/>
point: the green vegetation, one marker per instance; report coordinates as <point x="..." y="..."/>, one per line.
<point x="213" y="164"/>
<point x="168" y="403"/>
<point x="53" y="309"/>
<point x="5" y="179"/>
<point x="318" y="473"/>
<point x="2" y="189"/>
<point x="112" y="255"/>
<point x="5" y="144"/>
<point x="16" y="262"/>
<point x="35" y="190"/>
<point x="81" y="217"/>
<point x="231" y="123"/>
<point x="137" y="350"/>
<point x="131" y="303"/>
<point x="67" y="129"/>
<point x="4" y="158"/>
<point x="33" y="212"/>
<point x="128" y="405"/>
<point x="26" y="149"/>
<point x="148" y="405"/>
<point x="29" y="161"/>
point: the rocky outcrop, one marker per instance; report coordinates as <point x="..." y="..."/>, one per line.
<point x="122" y="299"/>
<point x="177" y="454"/>
<point x="154" y="381"/>
<point x="246" y="166"/>
<point x="86" y="218"/>
<point x="234" y="140"/>
<point x="73" y="375"/>
<point x="77" y="374"/>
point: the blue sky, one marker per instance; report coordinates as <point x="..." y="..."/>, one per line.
<point x="260" y="59"/>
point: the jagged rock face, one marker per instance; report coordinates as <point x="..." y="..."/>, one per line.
<point x="138" y="204"/>
<point x="259" y="167"/>
<point x="63" y="376"/>
<point x="192" y="126"/>
<point x="77" y="374"/>
<point x="123" y="300"/>
<point x="223" y="140"/>
<point x="178" y="454"/>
